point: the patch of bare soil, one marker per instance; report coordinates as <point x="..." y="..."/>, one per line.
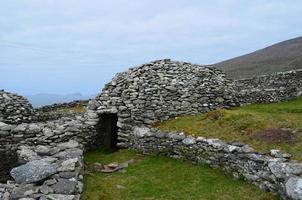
<point x="277" y="136"/>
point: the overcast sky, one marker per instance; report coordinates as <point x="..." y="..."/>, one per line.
<point x="68" y="46"/>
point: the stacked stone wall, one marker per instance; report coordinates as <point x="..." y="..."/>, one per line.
<point x="79" y="128"/>
<point x="14" y="109"/>
<point x="276" y="87"/>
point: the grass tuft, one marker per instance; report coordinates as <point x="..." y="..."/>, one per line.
<point x="75" y="109"/>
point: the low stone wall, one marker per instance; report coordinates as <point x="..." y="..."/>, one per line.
<point x="274" y="172"/>
<point x="276" y="87"/>
<point x="47" y="133"/>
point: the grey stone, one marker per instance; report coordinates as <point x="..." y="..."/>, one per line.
<point x="177" y="136"/>
<point x="23" y="191"/>
<point x="27" y="154"/>
<point x="64" y="186"/>
<point x="68" y="165"/>
<point x="278" y="154"/>
<point x="60" y="197"/>
<point x="294" y="188"/>
<point x="283" y="170"/>
<point x="69" y="144"/>
<point x="34" y="128"/>
<point x="44" y="189"/>
<point x="50" y="182"/>
<point x="68" y="175"/>
<point x="32" y="172"/>
<point x="2" y="124"/>
<point x="189" y="140"/>
<point x="48" y="132"/>
<point x="20" y="128"/>
<point x="231" y="148"/>
<point x="141" y="132"/>
<point x="43" y="150"/>
<point x="293" y="168"/>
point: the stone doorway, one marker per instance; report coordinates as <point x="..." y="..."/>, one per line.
<point x="107" y="131"/>
<point x="8" y="161"/>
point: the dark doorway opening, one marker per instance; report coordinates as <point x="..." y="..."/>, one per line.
<point x="8" y="161"/>
<point x="107" y="131"/>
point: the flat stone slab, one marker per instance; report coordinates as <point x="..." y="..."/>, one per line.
<point x="64" y="186"/>
<point x="33" y="171"/>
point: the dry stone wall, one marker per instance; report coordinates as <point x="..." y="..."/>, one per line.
<point x="274" y="172"/>
<point x="276" y="87"/>
<point x="62" y="130"/>
<point x="14" y="109"/>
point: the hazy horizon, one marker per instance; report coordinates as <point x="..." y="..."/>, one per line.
<point x="75" y="46"/>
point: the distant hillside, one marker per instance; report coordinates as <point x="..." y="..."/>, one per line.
<point x="282" y="56"/>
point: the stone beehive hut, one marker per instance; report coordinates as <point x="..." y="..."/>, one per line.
<point x="14" y="109"/>
<point x="160" y="90"/>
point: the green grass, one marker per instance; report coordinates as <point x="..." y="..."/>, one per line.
<point x="243" y="123"/>
<point x="159" y="178"/>
<point x="75" y="109"/>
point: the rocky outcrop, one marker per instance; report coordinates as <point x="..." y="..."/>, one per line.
<point x="274" y="172"/>
<point x="14" y="109"/>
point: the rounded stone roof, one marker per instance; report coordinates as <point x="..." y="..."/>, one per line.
<point x="14" y="109"/>
<point x="162" y="89"/>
